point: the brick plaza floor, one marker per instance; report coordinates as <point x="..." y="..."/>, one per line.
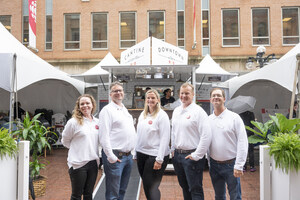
<point x="59" y="187"/>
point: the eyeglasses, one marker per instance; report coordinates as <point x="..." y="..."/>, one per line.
<point x="117" y="91"/>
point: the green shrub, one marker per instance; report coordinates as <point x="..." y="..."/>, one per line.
<point x="8" y="145"/>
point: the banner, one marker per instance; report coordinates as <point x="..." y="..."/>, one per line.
<point x="32" y="23"/>
<point x="138" y="54"/>
<point x="167" y="54"/>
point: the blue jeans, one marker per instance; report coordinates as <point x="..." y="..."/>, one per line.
<point x="117" y="176"/>
<point x="222" y="174"/>
<point x="190" y="175"/>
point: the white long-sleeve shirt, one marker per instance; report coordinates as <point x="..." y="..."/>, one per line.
<point x="191" y="130"/>
<point x="229" y="138"/>
<point x="153" y="135"/>
<point x="116" y="130"/>
<point x="82" y="142"/>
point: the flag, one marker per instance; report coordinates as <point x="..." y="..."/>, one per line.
<point x="194" y="23"/>
<point x="32" y="23"/>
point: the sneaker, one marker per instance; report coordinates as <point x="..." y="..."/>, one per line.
<point x="252" y="169"/>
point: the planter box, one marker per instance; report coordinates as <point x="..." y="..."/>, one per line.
<point x="274" y="183"/>
<point x="8" y="182"/>
<point x="285" y="185"/>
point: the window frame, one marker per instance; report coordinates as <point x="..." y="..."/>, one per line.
<point x="152" y="11"/>
<point x="135" y="24"/>
<point x="68" y="42"/>
<point x="269" y="33"/>
<point x="283" y="37"/>
<point x="92" y="31"/>
<point x="9" y="16"/>
<point x="239" y="26"/>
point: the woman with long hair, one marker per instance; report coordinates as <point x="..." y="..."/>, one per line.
<point x="152" y="148"/>
<point x="80" y="136"/>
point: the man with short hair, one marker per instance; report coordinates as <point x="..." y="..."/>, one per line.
<point x="228" y="149"/>
<point x="191" y="137"/>
<point x="117" y="138"/>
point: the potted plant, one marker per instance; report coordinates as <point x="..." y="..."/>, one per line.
<point x="37" y="134"/>
<point x="8" y="165"/>
<point x="283" y="147"/>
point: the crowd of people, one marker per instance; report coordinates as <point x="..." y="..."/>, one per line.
<point x="193" y="135"/>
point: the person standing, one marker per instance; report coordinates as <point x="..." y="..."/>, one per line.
<point x="152" y="148"/>
<point x="228" y="149"/>
<point x="191" y="137"/>
<point x="167" y="98"/>
<point x="80" y="136"/>
<point x="117" y="138"/>
<point x="247" y="117"/>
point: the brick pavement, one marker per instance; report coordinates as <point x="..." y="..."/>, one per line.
<point x="59" y="187"/>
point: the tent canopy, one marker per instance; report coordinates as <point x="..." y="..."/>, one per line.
<point x="31" y="71"/>
<point x="281" y="72"/>
<point x="94" y="74"/>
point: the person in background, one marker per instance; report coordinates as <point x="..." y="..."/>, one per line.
<point x="117" y="138"/>
<point x="177" y="102"/>
<point x="167" y="98"/>
<point x="147" y="89"/>
<point x="295" y="109"/>
<point x="152" y="148"/>
<point x="247" y="117"/>
<point x="228" y="149"/>
<point x="80" y="136"/>
<point x="17" y="107"/>
<point x="191" y="137"/>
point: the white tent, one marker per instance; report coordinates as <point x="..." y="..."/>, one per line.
<point x="39" y="84"/>
<point x="95" y="74"/>
<point x="270" y="85"/>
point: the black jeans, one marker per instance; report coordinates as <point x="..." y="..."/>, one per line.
<point x="83" y="180"/>
<point x="151" y="178"/>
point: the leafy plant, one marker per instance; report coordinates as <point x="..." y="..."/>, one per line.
<point x="278" y="124"/>
<point x="8" y="145"/>
<point x="286" y="151"/>
<point x="33" y="131"/>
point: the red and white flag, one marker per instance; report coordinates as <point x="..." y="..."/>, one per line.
<point x="32" y="23"/>
<point x="194" y="22"/>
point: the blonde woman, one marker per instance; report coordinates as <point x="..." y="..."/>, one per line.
<point x="152" y="149"/>
<point x="80" y="136"/>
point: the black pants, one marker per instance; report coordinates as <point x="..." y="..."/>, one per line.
<point x="83" y="180"/>
<point x="151" y="178"/>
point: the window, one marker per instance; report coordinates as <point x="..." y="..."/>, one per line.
<point x="157" y="24"/>
<point x="72" y="31"/>
<point x="6" y="21"/>
<point x="180" y="24"/>
<point x="260" y="26"/>
<point x="230" y="27"/>
<point x="48" y="25"/>
<point x="290" y="26"/>
<point x="205" y="28"/>
<point x="25" y="30"/>
<point x="25" y="23"/>
<point x="99" y="34"/>
<point x="127" y="29"/>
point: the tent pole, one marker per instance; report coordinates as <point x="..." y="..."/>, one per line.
<point x="12" y="92"/>
<point x="294" y="86"/>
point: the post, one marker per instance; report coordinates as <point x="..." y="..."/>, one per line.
<point x="264" y="173"/>
<point x="23" y="170"/>
<point x="294" y="86"/>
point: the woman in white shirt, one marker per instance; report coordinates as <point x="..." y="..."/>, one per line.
<point x="80" y="136"/>
<point x="152" y="148"/>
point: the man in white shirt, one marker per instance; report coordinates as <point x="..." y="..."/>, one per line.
<point x="191" y="137"/>
<point x="117" y="138"/>
<point x="228" y="149"/>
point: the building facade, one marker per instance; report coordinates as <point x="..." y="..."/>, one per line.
<point x="75" y="35"/>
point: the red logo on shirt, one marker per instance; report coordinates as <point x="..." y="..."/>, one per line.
<point x="188" y="117"/>
<point x="97" y="127"/>
<point x="150" y="122"/>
